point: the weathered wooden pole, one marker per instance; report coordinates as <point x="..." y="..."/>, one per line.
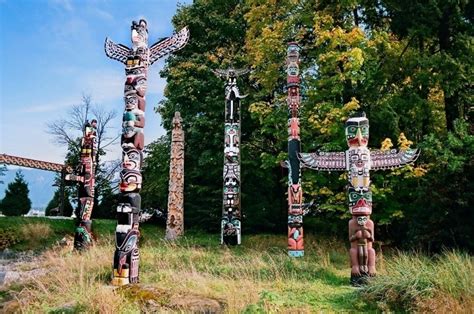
<point x="175" y="221"/>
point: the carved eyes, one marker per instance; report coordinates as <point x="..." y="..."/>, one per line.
<point x="354" y="196"/>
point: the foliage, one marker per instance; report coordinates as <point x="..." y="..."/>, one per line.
<point x="407" y="65"/>
<point x="218" y="32"/>
<point x="16" y="201"/>
<point x="8" y="238"/>
<point x="36" y="234"/>
<point x="55" y="202"/>
<point x="106" y="207"/>
<point x="3" y="170"/>
<point x="413" y="282"/>
<point x="156" y="174"/>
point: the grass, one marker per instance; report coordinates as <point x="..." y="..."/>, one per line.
<point x="414" y="282"/>
<point x="256" y="277"/>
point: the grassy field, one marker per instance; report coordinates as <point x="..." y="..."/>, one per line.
<point x="196" y="273"/>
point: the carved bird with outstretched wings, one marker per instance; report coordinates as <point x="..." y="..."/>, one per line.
<point x="379" y="160"/>
<point x="163" y="47"/>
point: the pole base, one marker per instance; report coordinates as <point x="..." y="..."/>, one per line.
<point x="120" y="279"/>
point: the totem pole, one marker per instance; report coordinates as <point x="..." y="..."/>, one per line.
<point x="358" y="160"/>
<point x="84" y="175"/>
<point x="295" y="191"/>
<point x="175" y="221"/>
<point x="231" y="209"/>
<point x="137" y="60"/>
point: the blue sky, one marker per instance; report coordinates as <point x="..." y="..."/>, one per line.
<point x="51" y="53"/>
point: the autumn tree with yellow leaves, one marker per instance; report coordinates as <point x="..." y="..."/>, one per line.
<point x="409" y="66"/>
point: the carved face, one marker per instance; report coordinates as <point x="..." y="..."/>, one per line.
<point x="360" y="202"/>
<point x="359" y="165"/>
<point x="132" y="159"/>
<point x="293" y="69"/>
<point x="231" y="139"/>
<point x="357" y="132"/>
<point x="130" y="180"/>
<point x="362" y="220"/>
<point x="139" y="33"/>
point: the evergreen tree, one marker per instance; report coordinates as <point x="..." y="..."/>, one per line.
<point x="16" y="201"/>
<point x="55" y="202"/>
<point x="3" y="169"/>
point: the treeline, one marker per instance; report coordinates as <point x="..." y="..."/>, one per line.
<point x="407" y="64"/>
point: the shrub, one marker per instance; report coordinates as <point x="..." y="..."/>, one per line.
<point x="415" y="282"/>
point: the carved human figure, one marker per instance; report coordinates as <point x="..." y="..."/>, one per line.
<point x="362" y="254"/>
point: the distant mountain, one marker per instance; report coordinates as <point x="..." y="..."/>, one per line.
<point x="39" y="182"/>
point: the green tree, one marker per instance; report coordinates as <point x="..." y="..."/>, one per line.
<point x="3" y="169"/>
<point x="55" y="202"/>
<point x="218" y="32"/>
<point x="16" y="201"/>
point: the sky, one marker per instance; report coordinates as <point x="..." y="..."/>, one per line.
<point x="52" y="53"/>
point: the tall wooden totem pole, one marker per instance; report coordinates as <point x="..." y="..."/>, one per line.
<point x="137" y="60"/>
<point x="84" y="175"/>
<point x="358" y="160"/>
<point x="295" y="191"/>
<point x="175" y="221"/>
<point x="231" y="208"/>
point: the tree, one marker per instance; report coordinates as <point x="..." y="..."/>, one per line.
<point x="68" y="131"/>
<point x="218" y="29"/>
<point x="3" y="169"/>
<point x="55" y="202"/>
<point x="16" y="201"/>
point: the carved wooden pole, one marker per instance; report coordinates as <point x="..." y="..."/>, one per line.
<point x="85" y="176"/>
<point x="137" y="60"/>
<point x="175" y="221"/>
<point x="358" y="160"/>
<point x="231" y="208"/>
<point x="295" y="191"/>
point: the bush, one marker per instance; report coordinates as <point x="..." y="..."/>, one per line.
<point x="413" y="282"/>
<point x="35" y="233"/>
<point x="8" y="238"/>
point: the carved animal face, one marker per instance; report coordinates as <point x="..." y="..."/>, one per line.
<point x="139" y="33"/>
<point x="357" y="132"/>
<point x="360" y="202"/>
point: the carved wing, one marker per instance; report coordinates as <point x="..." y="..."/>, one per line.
<point x="392" y="159"/>
<point x="169" y="45"/>
<point x="225" y="73"/>
<point x="115" y="51"/>
<point x="323" y="161"/>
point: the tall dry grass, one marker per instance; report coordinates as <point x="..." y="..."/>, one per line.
<point x="35" y="234"/>
<point x="415" y="282"/>
<point x="253" y="278"/>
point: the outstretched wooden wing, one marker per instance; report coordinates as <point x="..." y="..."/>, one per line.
<point x="323" y="161"/>
<point x="392" y="159"/>
<point x="115" y="51"/>
<point x="169" y="45"/>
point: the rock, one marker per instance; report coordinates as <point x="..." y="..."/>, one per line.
<point x="195" y="304"/>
